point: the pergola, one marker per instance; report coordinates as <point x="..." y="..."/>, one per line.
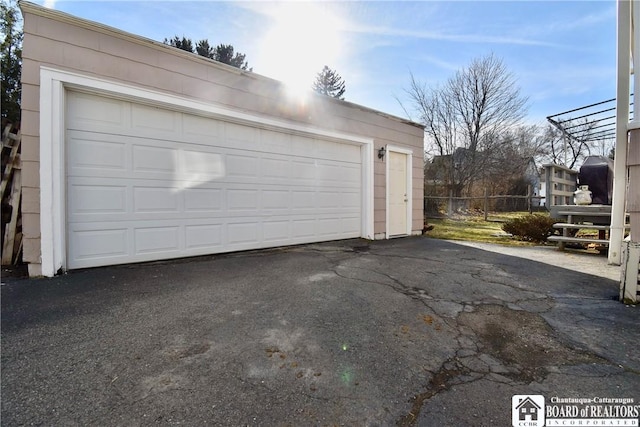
<point x="598" y="119"/>
<point x="613" y="120"/>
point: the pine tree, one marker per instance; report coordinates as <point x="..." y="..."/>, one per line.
<point x="225" y="53"/>
<point x="181" y="43"/>
<point x="204" y="49"/>
<point x="222" y="53"/>
<point x="329" y="83"/>
<point x="11" y="59"/>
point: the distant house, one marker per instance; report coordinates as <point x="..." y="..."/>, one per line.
<point x="528" y="410"/>
<point x="489" y="167"/>
<point x="533" y="177"/>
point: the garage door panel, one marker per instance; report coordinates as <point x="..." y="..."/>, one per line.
<point x="302" y="147"/>
<point x="328" y="226"/>
<point x="155" y="122"/>
<point x="200" y="166"/>
<point x="303" y="228"/>
<point x="275" y="142"/>
<point x="162" y="184"/>
<point x="242" y="200"/>
<point x="276" y="199"/>
<point x="157" y="239"/>
<point x="331" y="174"/>
<point x="329" y="150"/>
<point x="243" y="233"/>
<point x="203" y="236"/>
<point x="351" y="176"/>
<point x="201" y="129"/>
<point x="236" y="135"/>
<point x="158" y="160"/>
<point x="302" y="199"/>
<point x="202" y="200"/>
<point x="242" y="166"/>
<point x="95" y="152"/>
<point x="97" y="199"/>
<point x="274" y="231"/>
<point x="276" y="168"/>
<point x="327" y="200"/>
<point x="113" y="244"/>
<point x="350" y="225"/>
<point x="302" y="171"/>
<point x="156" y="199"/>
<point x="95" y="113"/>
<point x="350" y="198"/>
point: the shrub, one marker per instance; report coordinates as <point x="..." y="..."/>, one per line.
<point x="530" y="228"/>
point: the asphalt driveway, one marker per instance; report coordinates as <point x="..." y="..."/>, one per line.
<point x="411" y="331"/>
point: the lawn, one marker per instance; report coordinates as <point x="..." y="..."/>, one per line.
<point x="474" y="228"/>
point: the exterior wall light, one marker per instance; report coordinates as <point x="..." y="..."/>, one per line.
<point x="381" y="152"/>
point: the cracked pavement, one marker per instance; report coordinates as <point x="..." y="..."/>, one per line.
<point x="411" y="331"/>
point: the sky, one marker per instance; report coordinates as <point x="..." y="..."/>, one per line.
<point x="561" y="53"/>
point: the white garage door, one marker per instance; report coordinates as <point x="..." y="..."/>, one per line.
<point x="147" y="183"/>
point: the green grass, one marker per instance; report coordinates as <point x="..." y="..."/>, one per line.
<point x="475" y="228"/>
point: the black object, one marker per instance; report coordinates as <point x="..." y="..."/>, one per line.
<point x="597" y="173"/>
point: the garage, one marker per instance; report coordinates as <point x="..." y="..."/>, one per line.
<point x="136" y="151"/>
<point x="147" y="182"/>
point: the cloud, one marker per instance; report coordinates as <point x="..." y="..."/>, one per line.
<point x="447" y="65"/>
<point x="50" y="4"/>
<point x="459" y="38"/>
<point x="347" y="24"/>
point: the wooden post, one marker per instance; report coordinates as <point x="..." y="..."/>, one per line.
<point x="529" y="207"/>
<point x="486" y="202"/>
<point x="450" y="210"/>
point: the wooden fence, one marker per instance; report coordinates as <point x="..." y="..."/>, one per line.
<point x="11" y="189"/>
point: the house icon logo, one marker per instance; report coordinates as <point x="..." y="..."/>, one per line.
<point x="527" y="410"/>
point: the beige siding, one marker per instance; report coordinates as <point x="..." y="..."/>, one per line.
<point x="58" y="40"/>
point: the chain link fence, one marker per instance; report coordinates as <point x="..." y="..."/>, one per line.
<point x="449" y="205"/>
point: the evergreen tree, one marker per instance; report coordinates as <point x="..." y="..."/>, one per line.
<point x="222" y="53"/>
<point x="329" y="83"/>
<point x="181" y="43"/>
<point x="11" y="59"/>
<point x="204" y="49"/>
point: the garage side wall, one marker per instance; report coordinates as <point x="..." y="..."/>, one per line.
<point x="60" y="41"/>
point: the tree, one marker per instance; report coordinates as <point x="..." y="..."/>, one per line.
<point x="225" y="53"/>
<point x="511" y="165"/>
<point x="222" y="53"/>
<point x="329" y="83"/>
<point x="569" y="150"/>
<point x="181" y="43"/>
<point x="465" y="118"/>
<point x="204" y="49"/>
<point x="11" y="59"/>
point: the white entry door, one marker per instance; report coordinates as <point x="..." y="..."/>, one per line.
<point x="398" y="194"/>
<point x="147" y="183"/>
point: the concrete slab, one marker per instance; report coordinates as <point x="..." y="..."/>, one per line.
<point x="411" y="331"/>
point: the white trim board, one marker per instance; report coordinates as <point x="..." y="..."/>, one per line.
<point x="53" y="83"/>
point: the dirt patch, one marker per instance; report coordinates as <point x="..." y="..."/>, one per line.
<point x="521" y="340"/>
